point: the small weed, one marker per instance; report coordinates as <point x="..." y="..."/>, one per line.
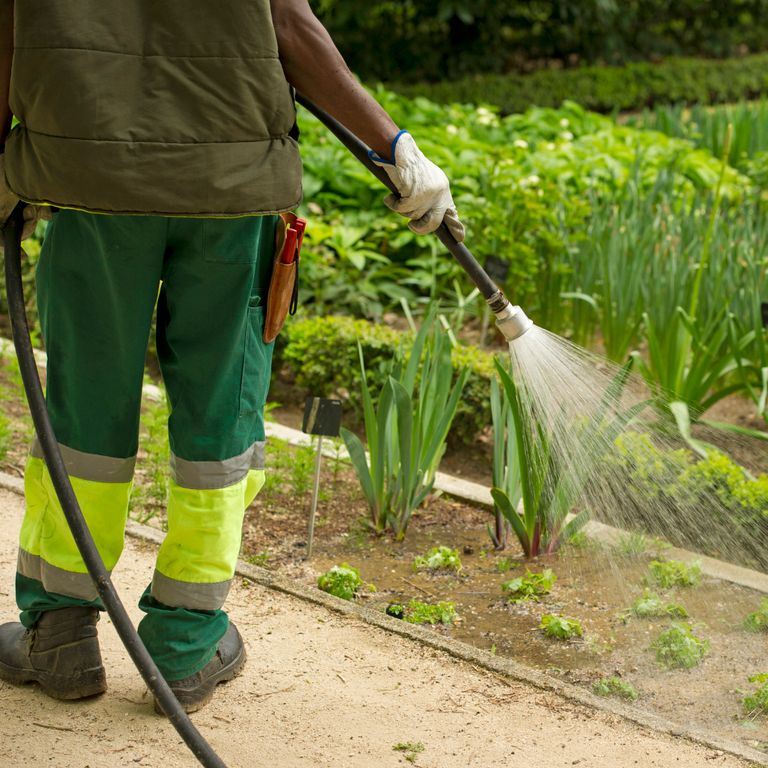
<point x="5" y="436"/>
<point x="650" y="605"/>
<point x="529" y="587"/>
<point x="615" y="686"/>
<point x="437" y="559"/>
<point x="633" y="544"/>
<point x="417" y="612"/>
<point x="560" y="627"/>
<point x="580" y="540"/>
<point x="758" y="621"/>
<point x="505" y="564"/>
<point x="678" y="648"/>
<point x="409" y="749"/>
<point x="673" y="573"/>
<point x="342" y="580"/>
<point x="756" y="703"/>
<point x="261" y="559"/>
<point x="301" y="470"/>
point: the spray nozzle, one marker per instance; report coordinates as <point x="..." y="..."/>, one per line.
<point x="513" y="322"/>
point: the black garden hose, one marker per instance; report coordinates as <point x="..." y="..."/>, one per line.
<point x="201" y="749"/>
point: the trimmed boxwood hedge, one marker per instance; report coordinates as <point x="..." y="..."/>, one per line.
<point x="607" y="89"/>
<point x="321" y="355"/>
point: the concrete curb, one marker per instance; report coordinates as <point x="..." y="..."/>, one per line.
<point x="501" y="668"/>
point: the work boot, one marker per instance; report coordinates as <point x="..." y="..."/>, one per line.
<point x="61" y="653"/>
<point x="195" y="691"/>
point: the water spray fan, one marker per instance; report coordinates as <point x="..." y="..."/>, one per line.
<point x="510" y="320"/>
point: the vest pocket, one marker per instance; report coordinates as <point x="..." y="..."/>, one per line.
<point x="257" y="364"/>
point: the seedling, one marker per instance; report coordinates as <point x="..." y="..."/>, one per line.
<point x="756" y="703"/>
<point x="342" y="580"/>
<point x="417" y="612"/>
<point x="678" y="648"/>
<point x="758" y="621"/>
<point x="260" y="558"/>
<point x="439" y="559"/>
<point x="529" y="587"/>
<point x="560" y="627"/>
<point x="673" y="573"/>
<point x="650" y="605"/>
<point x="633" y="544"/>
<point x="615" y="686"/>
<point x="505" y="564"/>
<point x="409" y="749"/>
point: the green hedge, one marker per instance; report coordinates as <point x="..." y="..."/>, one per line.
<point x="322" y="357"/>
<point x="605" y="89"/>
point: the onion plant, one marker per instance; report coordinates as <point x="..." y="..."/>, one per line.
<point x="406" y="432"/>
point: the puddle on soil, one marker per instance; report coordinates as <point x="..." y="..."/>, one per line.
<point x="595" y="586"/>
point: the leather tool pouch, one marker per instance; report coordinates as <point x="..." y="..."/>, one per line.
<point x="283" y="295"/>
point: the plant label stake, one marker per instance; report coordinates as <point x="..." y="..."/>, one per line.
<point x="322" y="418"/>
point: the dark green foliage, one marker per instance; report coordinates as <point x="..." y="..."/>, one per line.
<point x="607" y="89"/>
<point x="321" y="354"/>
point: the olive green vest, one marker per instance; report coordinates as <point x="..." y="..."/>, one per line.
<point x="171" y="107"/>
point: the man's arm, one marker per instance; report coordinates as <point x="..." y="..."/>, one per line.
<point x="6" y="57"/>
<point x="315" y="68"/>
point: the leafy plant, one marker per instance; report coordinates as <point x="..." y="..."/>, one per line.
<point x="615" y="686"/>
<point x="560" y="627"/>
<point x="757" y="621"/>
<point x="673" y="573"/>
<point x="532" y="586"/>
<point x="756" y="703"/>
<point x="342" y="581"/>
<point x="678" y="648"/>
<point x="650" y="605"/>
<point x="438" y="558"/>
<point x="505" y="564"/>
<point x="407" y="431"/>
<point x="417" y="612"/>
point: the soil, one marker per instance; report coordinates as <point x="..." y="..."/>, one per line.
<point x="319" y="690"/>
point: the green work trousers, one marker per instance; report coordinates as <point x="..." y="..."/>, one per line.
<point x="98" y="282"/>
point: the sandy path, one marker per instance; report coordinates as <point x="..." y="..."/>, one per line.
<point x="319" y="690"/>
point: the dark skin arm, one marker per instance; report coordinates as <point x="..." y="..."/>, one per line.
<point x="315" y="68"/>
<point x="6" y="57"/>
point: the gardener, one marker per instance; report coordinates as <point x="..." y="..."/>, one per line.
<point x="174" y="121"/>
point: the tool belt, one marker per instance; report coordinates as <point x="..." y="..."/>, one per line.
<point x="283" y="295"/>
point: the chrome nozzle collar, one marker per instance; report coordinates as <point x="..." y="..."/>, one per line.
<point x="513" y="322"/>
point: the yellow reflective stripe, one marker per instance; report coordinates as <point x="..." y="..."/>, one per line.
<point x="204" y="533"/>
<point x="45" y="532"/>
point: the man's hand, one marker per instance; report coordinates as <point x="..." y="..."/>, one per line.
<point x="8" y="201"/>
<point x="424" y="195"/>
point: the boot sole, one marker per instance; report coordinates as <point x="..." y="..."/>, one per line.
<point x="193" y="701"/>
<point x="90" y="682"/>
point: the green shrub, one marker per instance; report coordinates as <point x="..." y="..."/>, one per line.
<point x="650" y="605"/>
<point x="438" y="559"/>
<point x="758" y="620"/>
<point x="678" y="648"/>
<point x="756" y="703"/>
<point x="560" y="627"/>
<point x="673" y="573"/>
<point x="615" y="686"/>
<point x="321" y="355"/>
<point x="532" y="586"/>
<point x="606" y="89"/>
<point x="342" y="581"/>
<point x="417" y="612"/>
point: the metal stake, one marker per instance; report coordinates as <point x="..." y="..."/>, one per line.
<point x="315" y="489"/>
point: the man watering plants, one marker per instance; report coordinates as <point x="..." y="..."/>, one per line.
<point x="161" y="137"/>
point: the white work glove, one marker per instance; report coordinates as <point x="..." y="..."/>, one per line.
<point x="8" y="201"/>
<point x="424" y="191"/>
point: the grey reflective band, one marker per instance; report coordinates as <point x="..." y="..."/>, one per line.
<point x="213" y="475"/>
<point x="91" y="466"/>
<point x="185" y="594"/>
<point x="55" y="579"/>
